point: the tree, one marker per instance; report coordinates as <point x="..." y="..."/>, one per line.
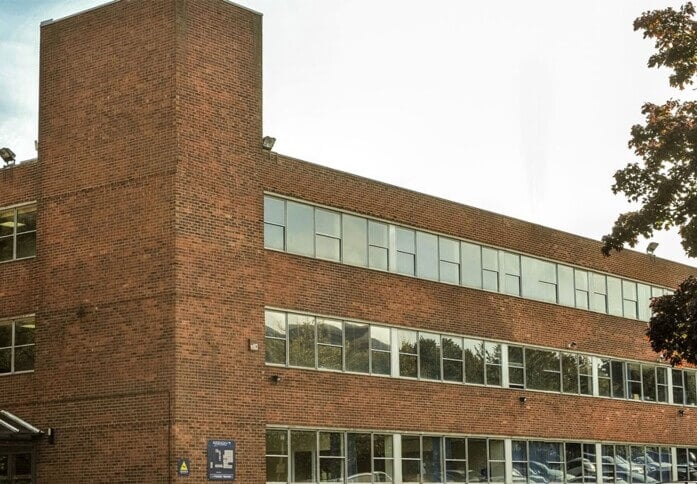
<point x="664" y="182"/>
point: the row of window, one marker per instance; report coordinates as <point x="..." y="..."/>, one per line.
<point x="17" y="232"/>
<point x="306" y="341"/>
<point x="326" y="234"/>
<point x="17" y="345"/>
<point x="295" y="455"/>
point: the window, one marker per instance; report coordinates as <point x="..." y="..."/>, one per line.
<point x="354" y="232"/>
<point x="471" y="257"/>
<point x="449" y="260"/>
<point x="274" y="223"/>
<point x="455" y="459"/>
<point x="474" y="361"/>
<point x="368" y="455"/>
<point x="411" y="459"/>
<point x="493" y="363"/>
<point x="300" y="229"/>
<point x="301" y="340"/>
<point x="649" y="382"/>
<point x="408" y="353"/>
<point x="511" y="273"/>
<point x="516" y="367"/>
<point x="378" y="245"/>
<point x="275" y="337"/>
<point x="598" y="293"/>
<point x="604" y="378"/>
<point x="330" y="344"/>
<point x="327" y="235"/>
<point x="427" y="256"/>
<point x="17" y="345"/>
<point x="357" y="347"/>
<point x="629" y="299"/>
<point x="644" y="301"/>
<point x="380" y="348"/>
<point x="618" y="377"/>
<point x="331" y="456"/>
<point x="490" y="269"/>
<point x="581" y="290"/>
<point x="634" y="381"/>
<point x="543" y="370"/>
<point x="539" y="279"/>
<point x="614" y="296"/>
<point x="452" y="359"/>
<point x="406" y="251"/>
<point x="429" y="356"/>
<point x="16" y="467"/>
<point x="662" y="383"/>
<point x="303" y="452"/>
<point x="276" y="456"/>
<point x="17" y="233"/>
<point x="565" y="288"/>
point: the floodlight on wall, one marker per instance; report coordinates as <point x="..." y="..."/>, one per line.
<point x="572" y="345"/>
<point x="276" y="379"/>
<point x="8" y="156"/>
<point x="522" y="400"/>
<point x="651" y="248"/>
<point x="267" y="142"/>
<point x="681" y="412"/>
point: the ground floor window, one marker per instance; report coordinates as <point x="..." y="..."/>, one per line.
<point x="16" y="467"/>
<point x="317" y="456"/>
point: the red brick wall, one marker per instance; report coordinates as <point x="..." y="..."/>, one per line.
<point x="151" y="276"/>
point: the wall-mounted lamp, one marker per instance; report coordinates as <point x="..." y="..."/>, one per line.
<point x="681" y="412"/>
<point x="8" y="156"/>
<point x="651" y="249"/>
<point x="267" y="142"/>
<point x="522" y="399"/>
<point x="276" y="379"/>
<point x="51" y="435"/>
<point x="572" y="345"/>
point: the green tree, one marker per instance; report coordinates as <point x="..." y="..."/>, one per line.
<point x="664" y="181"/>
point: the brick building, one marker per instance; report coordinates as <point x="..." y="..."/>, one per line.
<point x="168" y="285"/>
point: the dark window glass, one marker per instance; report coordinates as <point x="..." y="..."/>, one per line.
<point x="357" y="347"/>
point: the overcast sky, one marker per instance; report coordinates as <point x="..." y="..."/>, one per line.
<point x="518" y="107"/>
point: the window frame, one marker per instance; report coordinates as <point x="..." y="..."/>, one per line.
<point x="15" y="233"/>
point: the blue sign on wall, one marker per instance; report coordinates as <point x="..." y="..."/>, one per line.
<point x="221" y="460"/>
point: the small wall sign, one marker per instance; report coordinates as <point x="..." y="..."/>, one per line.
<point x="221" y="460"/>
<point x="183" y="467"/>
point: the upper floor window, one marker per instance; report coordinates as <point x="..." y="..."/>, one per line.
<point x="17" y="345"/>
<point x="17" y="232"/>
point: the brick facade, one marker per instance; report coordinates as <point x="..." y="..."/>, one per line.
<point x="151" y="276"/>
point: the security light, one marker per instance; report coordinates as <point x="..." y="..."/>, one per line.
<point x="275" y="379"/>
<point x="522" y="399"/>
<point x="681" y="412"/>
<point x="8" y="156"/>
<point x="651" y="248"/>
<point x="267" y="142"/>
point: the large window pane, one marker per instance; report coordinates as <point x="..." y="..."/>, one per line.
<point x="649" y="382"/>
<point x="539" y="279"/>
<point x="411" y="458"/>
<point x="490" y="269"/>
<point x="618" y="379"/>
<point x="644" y="301"/>
<point x="431" y="459"/>
<point x="542" y="370"/>
<point x="582" y="291"/>
<point x="408" y="353"/>
<point x="357" y="347"/>
<point x="426" y="256"/>
<point x="474" y="361"/>
<point x="456" y="460"/>
<point x="331" y="456"/>
<point x="598" y="294"/>
<point x="330" y="344"/>
<point x="604" y="378"/>
<point x="328" y="234"/>
<point x="275" y="337"/>
<point x="274" y="223"/>
<point x="565" y="278"/>
<point x="546" y="461"/>
<point x="516" y="367"/>
<point x="452" y="359"/>
<point x="614" y="296"/>
<point x="355" y="240"/>
<point x="406" y="250"/>
<point x="477" y="463"/>
<point x="378" y="245"/>
<point x="358" y="454"/>
<point x="300" y="229"/>
<point x="276" y="456"/>
<point x="449" y="260"/>
<point x="492" y="353"/>
<point x="429" y="356"/>
<point x="511" y="273"/>
<point x="303" y="449"/>
<point x="301" y="340"/>
<point x="634" y="381"/>
<point x="629" y="299"/>
<point x="471" y="269"/>
<point x="569" y="364"/>
<point x="380" y="344"/>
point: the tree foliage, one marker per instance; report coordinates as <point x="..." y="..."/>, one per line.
<point x="664" y="181"/>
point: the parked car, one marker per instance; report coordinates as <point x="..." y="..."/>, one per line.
<point x="370" y="477"/>
<point x="543" y="470"/>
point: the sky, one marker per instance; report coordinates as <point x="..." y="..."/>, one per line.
<point x="518" y="107"/>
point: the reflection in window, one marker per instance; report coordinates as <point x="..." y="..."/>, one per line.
<point x="330" y="344"/>
<point x="276" y="456"/>
<point x="493" y="363"/>
<point x="429" y="356"/>
<point x="300" y="228"/>
<point x="301" y="340"/>
<point x="303" y="451"/>
<point x="408" y="353"/>
<point x="452" y="359"/>
<point x="539" y="279"/>
<point x="275" y="337"/>
<point x="511" y="273"/>
<point x="474" y="361"/>
<point x="543" y="370"/>
<point x="274" y="223"/>
<point x="381" y="346"/>
<point x="516" y="367"/>
<point x="357" y="347"/>
<point x="17" y="233"/>
<point x="331" y="456"/>
<point x="17" y="345"/>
